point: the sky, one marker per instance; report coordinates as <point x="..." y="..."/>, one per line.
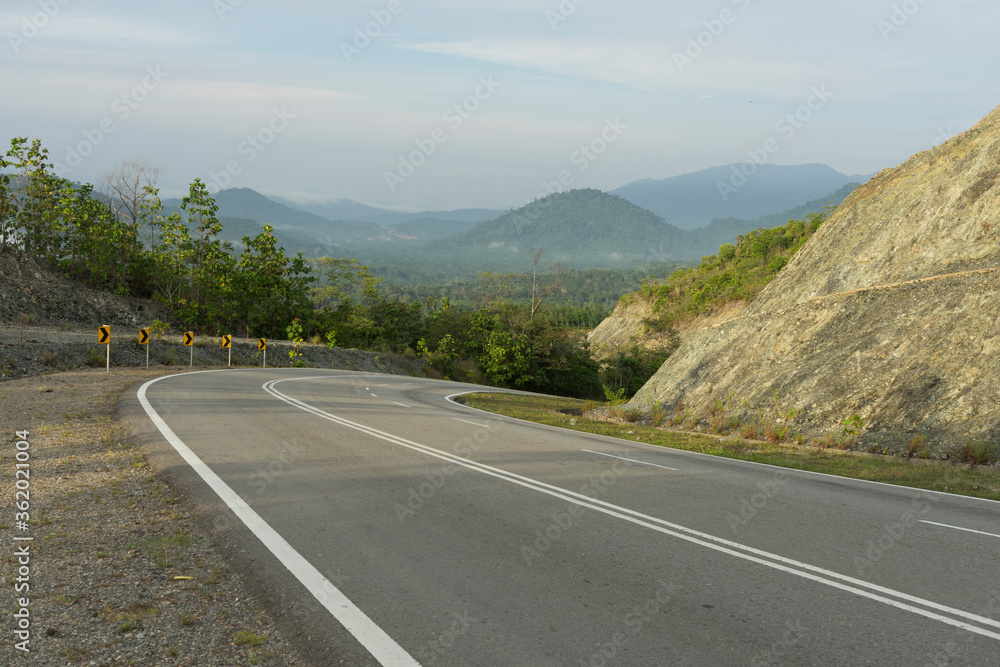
<point x="446" y="104"/>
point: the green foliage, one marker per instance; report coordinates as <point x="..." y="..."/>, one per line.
<point x="294" y="333"/>
<point x="519" y="350"/>
<point x="614" y="397"/>
<point x="158" y="329"/>
<point x="738" y="273"/>
<point x="185" y="266"/>
<point x="628" y="370"/>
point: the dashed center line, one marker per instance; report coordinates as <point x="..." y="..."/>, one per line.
<point x="468" y="422"/>
<point x="968" y="530"/>
<point x="655" y="465"/>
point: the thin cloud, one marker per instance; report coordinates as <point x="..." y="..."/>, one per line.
<point x="104" y="29"/>
<point x="644" y="66"/>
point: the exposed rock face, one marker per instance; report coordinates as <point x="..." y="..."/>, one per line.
<point x="622" y="329"/>
<point x="30" y="286"/>
<point x="890" y="312"/>
<point x="626" y="327"/>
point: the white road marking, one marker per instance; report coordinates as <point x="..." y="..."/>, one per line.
<point x="843" y="582"/>
<point x="681" y="452"/>
<point x="632" y="460"/>
<point x="968" y="530"/>
<point x="371" y="636"/>
<point x="401" y="404"/>
<point x="468" y="422"/>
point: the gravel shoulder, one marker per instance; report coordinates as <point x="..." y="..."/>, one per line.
<point x="119" y="573"/>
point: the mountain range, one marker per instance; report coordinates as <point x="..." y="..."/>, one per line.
<point x="744" y="191"/>
<point x="347" y="209"/>
<point x="580" y="228"/>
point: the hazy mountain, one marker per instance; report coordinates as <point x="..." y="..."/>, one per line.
<point x="580" y="229"/>
<point x="247" y="204"/>
<point x="693" y="200"/>
<point x="347" y="209"/>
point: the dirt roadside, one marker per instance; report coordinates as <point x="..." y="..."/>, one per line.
<point x="117" y="571"/>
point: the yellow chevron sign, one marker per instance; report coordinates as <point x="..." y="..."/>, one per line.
<point x="189" y="338"/>
<point x="104" y="335"/>
<point x="261" y="343"/>
<point x="227" y="341"/>
<point x="143" y="336"/>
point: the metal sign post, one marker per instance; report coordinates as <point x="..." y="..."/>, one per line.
<point x="144" y="340"/>
<point x="227" y="342"/>
<point x="104" y="338"/>
<point x="189" y="342"/>
<point x="262" y="345"/>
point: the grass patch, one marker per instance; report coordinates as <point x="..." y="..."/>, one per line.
<point x="130" y="618"/>
<point x="555" y="411"/>
<point x="248" y="638"/>
<point x="163" y="549"/>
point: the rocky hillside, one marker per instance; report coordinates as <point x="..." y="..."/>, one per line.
<point x="888" y="318"/>
<point x="622" y="328"/>
<point x="626" y="326"/>
<point x="32" y="288"/>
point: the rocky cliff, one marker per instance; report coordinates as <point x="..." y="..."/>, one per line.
<point x="622" y="329"/>
<point x="891" y="312"/>
<point x="626" y="326"/>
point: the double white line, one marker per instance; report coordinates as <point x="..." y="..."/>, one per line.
<point x="926" y="608"/>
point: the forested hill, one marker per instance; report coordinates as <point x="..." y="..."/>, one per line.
<point x="581" y="229"/>
<point x="581" y="226"/>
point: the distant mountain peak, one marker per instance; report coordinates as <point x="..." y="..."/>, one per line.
<point x="744" y="190"/>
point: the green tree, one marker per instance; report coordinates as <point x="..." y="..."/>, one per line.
<point x="34" y="186"/>
<point x="8" y="205"/>
<point x="268" y="287"/>
<point x="171" y="258"/>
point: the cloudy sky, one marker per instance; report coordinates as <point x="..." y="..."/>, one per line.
<point x="441" y="104"/>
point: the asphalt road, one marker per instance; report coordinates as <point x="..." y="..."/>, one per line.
<point x="385" y="524"/>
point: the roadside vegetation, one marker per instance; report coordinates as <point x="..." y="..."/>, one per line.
<point x="967" y="480"/>
<point x="738" y="273"/>
<point x="117" y="238"/>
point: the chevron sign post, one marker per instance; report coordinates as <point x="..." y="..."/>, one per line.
<point x="104" y="338"/>
<point x="144" y="340"/>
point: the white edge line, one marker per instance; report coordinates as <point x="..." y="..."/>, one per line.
<point x="662" y="448"/>
<point x="681" y="532"/>
<point x="468" y="422"/>
<point x="968" y="530"/>
<point x="370" y="635"/>
<point x="655" y="465"/>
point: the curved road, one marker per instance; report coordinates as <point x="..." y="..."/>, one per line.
<point x="385" y="524"/>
